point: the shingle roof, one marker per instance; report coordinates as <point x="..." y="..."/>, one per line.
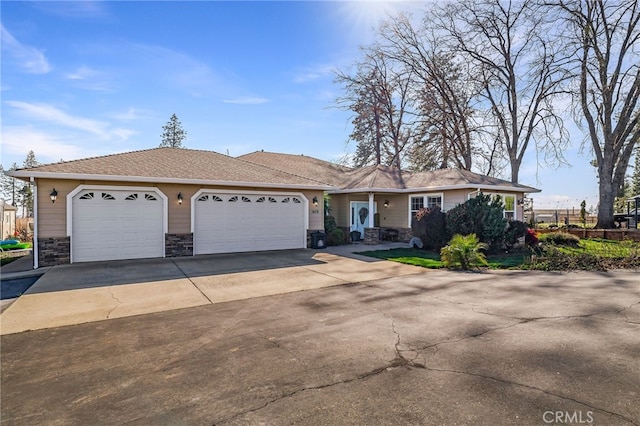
<point x="172" y="165"/>
<point x="260" y="169"/>
<point x="301" y="165"/>
<point x="379" y="178"/>
<point x="458" y="177"/>
<point x="374" y="177"/>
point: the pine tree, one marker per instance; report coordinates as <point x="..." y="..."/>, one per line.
<point x="26" y="192"/>
<point x="173" y="134"/>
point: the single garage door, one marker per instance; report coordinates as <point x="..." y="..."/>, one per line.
<point x="112" y="224"/>
<point x="236" y="222"/>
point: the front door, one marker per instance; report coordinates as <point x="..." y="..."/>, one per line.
<point x="359" y="217"/>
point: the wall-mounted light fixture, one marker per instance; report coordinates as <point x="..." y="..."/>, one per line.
<point x="180" y="198"/>
<point x="521" y="202"/>
<point x="53" y="195"/>
<point x="386" y="203"/>
<point x="315" y="201"/>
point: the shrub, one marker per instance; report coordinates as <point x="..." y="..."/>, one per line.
<point x="329" y="224"/>
<point x="430" y="226"/>
<point x="560" y="239"/>
<point x="483" y="216"/>
<point x="531" y="238"/>
<point x="463" y="252"/>
<point x="514" y="232"/>
<point x="335" y="237"/>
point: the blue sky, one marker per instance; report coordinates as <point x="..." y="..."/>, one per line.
<point x="91" y="78"/>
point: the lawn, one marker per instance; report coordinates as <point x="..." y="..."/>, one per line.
<point x="589" y="254"/>
<point x="603" y="248"/>
<point x="431" y="259"/>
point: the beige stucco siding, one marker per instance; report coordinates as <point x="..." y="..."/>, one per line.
<point x="397" y="214"/>
<point x="394" y="216"/>
<point x="52" y="217"/>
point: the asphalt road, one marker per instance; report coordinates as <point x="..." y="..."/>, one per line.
<point x="436" y="348"/>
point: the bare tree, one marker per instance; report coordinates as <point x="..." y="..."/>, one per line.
<point x="443" y="91"/>
<point x="519" y="69"/>
<point x="603" y="40"/>
<point x="378" y="94"/>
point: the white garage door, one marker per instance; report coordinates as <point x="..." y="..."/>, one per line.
<point x="117" y="224"/>
<point x="235" y="222"/>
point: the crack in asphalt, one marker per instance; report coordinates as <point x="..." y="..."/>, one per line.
<point x="402" y="361"/>
<point x="116" y="299"/>
<point x="509" y="382"/>
<point x="376" y="371"/>
<point x="274" y="342"/>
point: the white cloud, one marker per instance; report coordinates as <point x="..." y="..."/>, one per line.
<point x="81" y="73"/>
<point x="246" y="100"/>
<point x="48" y="147"/>
<point x="89" y="79"/>
<point x="57" y="117"/>
<point x="130" y="115"/>
<point x="28" y="58"/>
<point x="313" y="73"/>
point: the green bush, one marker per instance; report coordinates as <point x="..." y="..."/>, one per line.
<point x="336" y="237"/>
<point x="482" y="216"/>
<point x="430" y="225"/>
<point x="514" y="232"/>
<point x="463" y="252"/>
<point x="329" y="224"/>
<point x="560" y="239"/>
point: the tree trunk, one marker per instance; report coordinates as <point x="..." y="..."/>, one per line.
<point x="607" y="194"/>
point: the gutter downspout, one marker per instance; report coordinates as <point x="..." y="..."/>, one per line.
<point x="34" y="250"/>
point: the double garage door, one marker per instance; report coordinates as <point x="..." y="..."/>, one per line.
<point x="225" y="222"/>
<point x="110" y="224"/>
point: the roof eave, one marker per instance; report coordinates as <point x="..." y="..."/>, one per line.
<point x="25" y="175"/>
<point x="504" y="188"/>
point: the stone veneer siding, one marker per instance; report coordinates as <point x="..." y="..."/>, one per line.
<point x="178" y="245"/>
<point x="54" y="251"/>
<point x="371" y="236"/>
<point x="404" y="234"/>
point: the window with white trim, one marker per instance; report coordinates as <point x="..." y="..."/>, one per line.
<point x="429" y="201"/>
<point x="509" y="206"/>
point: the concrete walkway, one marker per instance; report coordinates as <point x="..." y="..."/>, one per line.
<point x="86" y="292"/>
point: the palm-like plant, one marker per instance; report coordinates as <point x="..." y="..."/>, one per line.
<point x="463" y="252"/>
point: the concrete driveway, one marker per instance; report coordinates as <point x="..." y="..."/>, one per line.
<point x="86" y="292"/>
<point x="433" y="348"/>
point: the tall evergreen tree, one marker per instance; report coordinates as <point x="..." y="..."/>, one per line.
<point x="173" y="134"/>
<point x="25" y="191"/>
